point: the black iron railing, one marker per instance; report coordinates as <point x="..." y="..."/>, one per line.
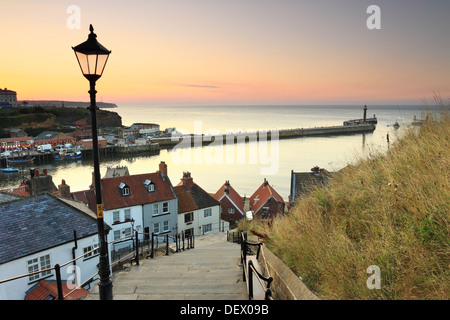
<point x="182" y="242"/>
<point x="249" y="268"/>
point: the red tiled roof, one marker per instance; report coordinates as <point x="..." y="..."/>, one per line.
<point x="232" y="195"/>
<point x="185" y="201"/>
<point x="264" y="193"/>
<point x="20" y="139"/>
<point x="49" y="290"/>
<point x="191" y="196"/>
<point x="86" y="196"/>
<point x="138" y="193"/>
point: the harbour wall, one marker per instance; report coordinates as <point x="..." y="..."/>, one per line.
<point x="257" y="135"/>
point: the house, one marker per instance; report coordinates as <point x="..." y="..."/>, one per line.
<point x="125" y="132"/>
<point x="36" y="184"/>
<point x="39" y="232"/>
<point x="80" y="124"/>
<point x="232" y="204"/>
<point x="54" y="138"/>
<point x="116" y="172"/>
<point x="8" y="98"/>
<point x="16" y="143"/>
<point x="304" y="182"/>
<point x="87" y="143"/>
<point x="48" y="290"/>
<point x="145" y="202"/>
<point x="17" y="133"/>
<point x="266" y="202"/>
<point x="198" y="211"/>
<point x="146" y="129"/>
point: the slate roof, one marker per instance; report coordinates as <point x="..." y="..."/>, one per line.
<point x="304" y="182"/>
<point x="40" y="223"/>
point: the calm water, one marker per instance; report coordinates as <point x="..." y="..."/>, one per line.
<point x="247" y="165"/>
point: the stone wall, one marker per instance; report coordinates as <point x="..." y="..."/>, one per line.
<point x="286" y="285"/>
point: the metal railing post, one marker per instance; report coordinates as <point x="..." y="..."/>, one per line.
<point x="59" y="282"/>
<point x="137" y="249"/>
<point x="182" y="237"/>
<point x="250" y="280"/>
<point x="167" y="244"/>
<point x="153" y="245"/>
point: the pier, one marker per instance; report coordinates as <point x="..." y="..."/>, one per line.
<point x="263" y="134"/>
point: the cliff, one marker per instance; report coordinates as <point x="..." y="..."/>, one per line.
<point x="36" y="119"/>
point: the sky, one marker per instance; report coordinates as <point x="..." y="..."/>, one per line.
<point x="213" y="52"/>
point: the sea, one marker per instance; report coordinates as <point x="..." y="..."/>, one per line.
<point x="245" y="165"/>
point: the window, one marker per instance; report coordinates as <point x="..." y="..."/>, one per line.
<point x="207" y="228"/>
<point x="127" y="231"/>
<point x="116" y="216"/>
<point x="155" y="209"/>
<point x="156" y="228"/>
<point x="37" y="264"/>
<point x="165" y="207"/>
<point x="150" y="186"/>
<point x="127" y="214"/>
<point x="230" y="210"/>
<point x="116" y="234"/>
<point x="124" y="189"/>
<point x="207" y="213"/>
<point x="165" y="226"/>
<point x="188" y="217"/>
<point x="91" y="251"/>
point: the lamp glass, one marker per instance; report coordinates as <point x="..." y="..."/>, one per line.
<point x="92" y="64"/>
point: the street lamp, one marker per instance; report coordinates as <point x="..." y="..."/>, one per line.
<point x="92" y="58"/>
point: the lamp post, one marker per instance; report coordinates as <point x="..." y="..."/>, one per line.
<point x="92" y="58"/>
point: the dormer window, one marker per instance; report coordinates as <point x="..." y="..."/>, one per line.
<point x="149" y="186"/>
<point x="124" y="189"/>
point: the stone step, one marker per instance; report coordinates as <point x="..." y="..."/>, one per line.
<point x="210" y="271"/>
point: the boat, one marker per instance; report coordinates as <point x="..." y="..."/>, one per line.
<point x="396" y="125"/>
<point x="10" y="170"/>
<point x="68" y="154"/>
<point x="21" y="161"/>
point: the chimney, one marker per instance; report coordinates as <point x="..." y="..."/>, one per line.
<point x="265" y="182"/>
<point x="64" y="190"/>
<point x="227" y="187"/>
<point x="365" y="114"/>
<point x="45" y="171"/>
<point x="163" y="168"/>
<point x="187" y="181"/>
<point x="41" y="184"/>
<point x="316" y="169"/>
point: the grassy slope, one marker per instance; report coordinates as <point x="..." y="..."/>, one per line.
<point x="391" y="210"/>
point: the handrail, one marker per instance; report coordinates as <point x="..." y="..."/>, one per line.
<point x="248" y="272"/>
<point x="177" y="238"/>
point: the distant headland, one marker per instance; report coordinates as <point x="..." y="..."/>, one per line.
<point x="63" y="104"/>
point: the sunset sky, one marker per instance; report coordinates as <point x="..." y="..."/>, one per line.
<point x="181" y="52"/>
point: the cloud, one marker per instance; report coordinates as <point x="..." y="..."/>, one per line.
<point x="201" y="86"/>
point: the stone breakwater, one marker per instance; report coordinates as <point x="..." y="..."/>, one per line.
<point x="258" y="135"/>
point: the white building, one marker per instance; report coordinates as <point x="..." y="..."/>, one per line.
<point x="144" y="202"/>
<point x="198" y="211"/>
<point x="40" y="232"/>
<point x="8" y="97"/>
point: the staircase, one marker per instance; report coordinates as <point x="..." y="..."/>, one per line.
<point x="210" y="271"/>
